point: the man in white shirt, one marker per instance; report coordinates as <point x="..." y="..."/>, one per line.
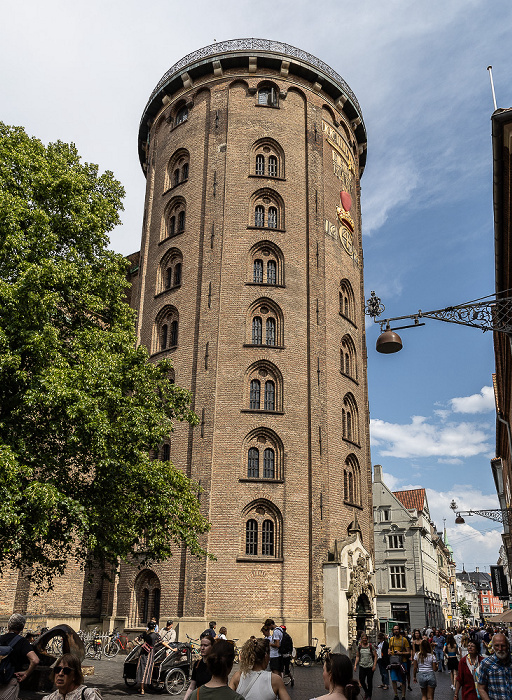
<point x="168" y="634"/>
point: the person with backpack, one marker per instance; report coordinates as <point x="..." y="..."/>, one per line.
<point x="286" y="651"/>
<point x="17" y="652"/>
<point x="366" y="658"/>
<point x="276" y="661"/>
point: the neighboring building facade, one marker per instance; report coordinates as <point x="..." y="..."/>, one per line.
<point x="406" y="563"/>
<point x="447" y="587"/>
<point x="488" y="603"/>
<point x="502" y="380"/>
<point x="250" y="279"/>
<point x="467" y="591"/>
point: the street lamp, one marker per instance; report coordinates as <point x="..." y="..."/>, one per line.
<point x="487" y="314"/>
<point x="499" y="515"/>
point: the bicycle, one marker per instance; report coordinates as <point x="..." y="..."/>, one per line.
<point x="194" y="647"/>
<point x="93" y="649"/>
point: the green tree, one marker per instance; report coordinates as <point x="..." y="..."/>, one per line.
<point x="80" y="405"/>
<point x="464" y="609"/>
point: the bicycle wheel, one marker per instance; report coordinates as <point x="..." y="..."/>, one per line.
<point x="111" y="649"/>
<point x="90" y="650"/>
<point x="307" y="660"/>
<point x="175" y="681"/>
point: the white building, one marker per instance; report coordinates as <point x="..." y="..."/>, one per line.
<point x="406" y="563"/>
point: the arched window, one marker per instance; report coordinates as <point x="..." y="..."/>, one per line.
<point x="253" y="463"/>
<point x="267" y="538"/>
<point x="267" y="157"/>
<point x="265" y="445"/>
<point x="265" y="314"/>
<point x="181" y="116"/>
<point x="257" y="277"/>
<point x="259" y="216"/>
<point x="255" y="394"/>
<point x="268" y="463"/>
<point x="145" y="598"/>
<point x="352" y="481"/>
<point x="268" y="208"/>
<point x="165" y="333"/>
<point x="251" y="537"/>
<point x="348" y="364"/>
<point x="166" y="452"/>
<point x="350" y="419"/>
<point x="266" y="264"/>
<point x="177" y="170"/>
<point x="263" y="376"/>
<point x="174" y="218"/>
<point x="272" y="217"/>
<point x="260" y="164"/>
<point x="270" y="396"/>
<point x="268" y="96"/>
<point x="262" y="526"/>
<point x="256" y="331"/>
<point x="270" y="327"/>
<point x="271" y="272"/>
<point x="347" y="301"/>
<point x="169" y="276"/>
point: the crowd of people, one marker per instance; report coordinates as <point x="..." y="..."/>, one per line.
<point x="478" y="661"/>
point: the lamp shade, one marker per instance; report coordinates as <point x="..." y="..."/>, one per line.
<point x="388" y="342"/>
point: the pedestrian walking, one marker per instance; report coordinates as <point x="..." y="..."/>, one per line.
<point x="424" y="668"/>
<point x="338" y="679"/>
<point x="21" y="656"/>
<point x="399" y="652"/>
<point x="366" y="659"/>
<point x="383" y="660"/>
<point x="147" y="642"/>
<point x="253" y="681"/>
<point x="276" y="660"/>
<point x="439" y="641"/>
<point x="452" y="655"/>
<point x="467" y="673"/>
<point x="495" y="672"/>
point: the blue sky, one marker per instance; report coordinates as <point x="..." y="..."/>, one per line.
<point x="82" y="71"/>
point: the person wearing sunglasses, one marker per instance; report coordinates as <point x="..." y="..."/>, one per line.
<point x="69" y="681"/>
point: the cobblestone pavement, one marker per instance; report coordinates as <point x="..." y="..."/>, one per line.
<point x="108" y="678"/>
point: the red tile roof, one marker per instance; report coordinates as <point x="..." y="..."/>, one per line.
<point x="414" y="498"/>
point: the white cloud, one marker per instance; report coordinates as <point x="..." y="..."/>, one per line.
<point x="476" y="403"/>
<point x="423" y="439"/>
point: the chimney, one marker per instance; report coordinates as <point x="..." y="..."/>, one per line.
<point x="477" y="569"/>
<point x="377" y="473"/>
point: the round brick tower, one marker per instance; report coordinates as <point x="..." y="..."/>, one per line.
<point x="251" y="279"/>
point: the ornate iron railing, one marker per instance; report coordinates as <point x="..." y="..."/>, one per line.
<point x="255" y="45"/>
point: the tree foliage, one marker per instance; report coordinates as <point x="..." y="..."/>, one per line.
<point x="464" y="609"/>
<point x="80" y="405"/>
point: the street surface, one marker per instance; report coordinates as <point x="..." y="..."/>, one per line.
<point x="108" y="678"/>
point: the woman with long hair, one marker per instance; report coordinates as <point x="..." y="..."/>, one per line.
<point x="147" y="641"/>
<point x="451" y="651"/>
<point x="338" y="679"/>
<point x="463" y="647"/>
<point x="69" y="681"/>
<point x="200" y="672"/>
<point x="253" y="681"/>
<point x="219" y="662"/>
<point x="467" y="673"/>
<point x="425" y="666"/>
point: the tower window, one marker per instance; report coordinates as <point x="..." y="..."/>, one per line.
<point x="267" y="538"/>
<point x="270" y="396"/>
<point x="268" y="463"/>
<point x="260" y="164"/>
<point x="181" y="116"/>
<point x="259" y="216"/>
<point x="268" y="97"/>
<point x="251" y="537"/>
<point x="271" y="272"/>
<point x="253" y="463"/>
<point x="272" y="217"/>
<point x="256" y="330"/>
<point x="255" y="394"/>
<point x="270" y="328"/>
<point x="181" y="221"/>
<point x="258" y="271"/>
<point x="272" y="166"/>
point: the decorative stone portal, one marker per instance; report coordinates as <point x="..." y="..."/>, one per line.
<point x="349" y="593"/>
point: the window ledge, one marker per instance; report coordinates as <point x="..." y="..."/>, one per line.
<point x="348" y="319"/>
<point x="266" y="411"/>
<point x="262" y="346"/>
<point x="173" y="187"/>
<point x="259" y="480"/>
<point x="169" y="289"/>
<point x="168" y="238"/>
<point x="161" y="352"/>
<point x="265" y="284"/>
<point x="266" y="228"/>
<point x="351" y="442"/>
<point x="267" y="560"/>
<point x="352" y="505"/>
<point x="349" y="377"/>
<point x="268" y="177"/>
<point x="175" y="126"/>
<point x="267" y="106"/>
